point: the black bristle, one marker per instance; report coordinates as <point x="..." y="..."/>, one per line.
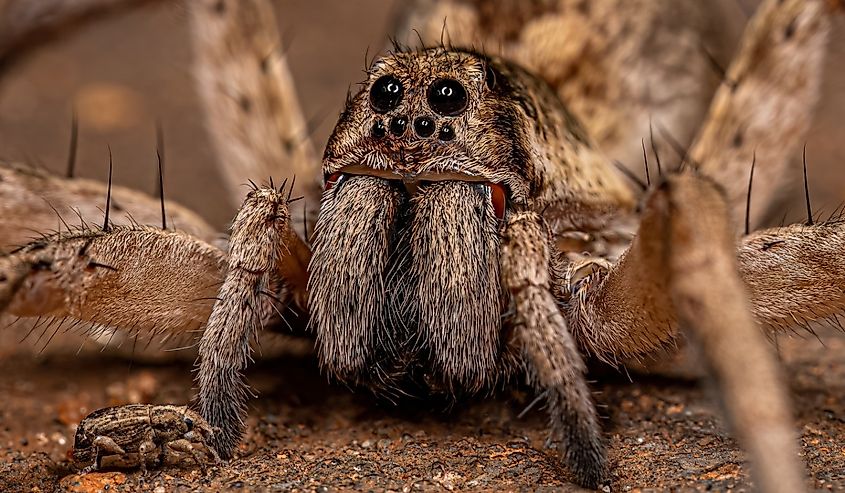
<point x="160" y="159"/>
<point x="714" y="64"/>
<point x="419" y="37"/>
<point x="106" y="226"/>
<point x="631" y="176"/>
<point x="748" y="197"/>
<point x="807" y="189"/>
<point x="161" y="189"/>
<point x="676" y="146"/>
<point x="290" y="190"/>
<point x="74" y="136"/>
<point x="654" y="148"/>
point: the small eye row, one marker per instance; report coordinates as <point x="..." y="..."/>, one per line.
<point x="446" y="97"/>
<point x="423" y="126"/>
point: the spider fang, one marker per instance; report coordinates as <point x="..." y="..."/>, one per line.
<point x="497" y="195"/>
<point x="334" y="179"/>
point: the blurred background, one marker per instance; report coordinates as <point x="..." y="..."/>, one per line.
<point x="126" y="71"/>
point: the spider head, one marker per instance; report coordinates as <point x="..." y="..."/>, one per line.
<point x="436" y="115"/>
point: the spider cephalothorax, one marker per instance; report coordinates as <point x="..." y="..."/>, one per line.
<point x="426" y="164"/>
<point x="404" y="163"/>
<point x="416" y="153"/>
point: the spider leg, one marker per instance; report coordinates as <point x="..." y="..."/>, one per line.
<point x="550" y="351"/>
<point x="682" y="266"/>
<point x="35" y="202"/>
<point x="765" y="104"/>
<point x="795" y="274"/>
<point x="131" y="277"/>
<point x="263" y="245"/>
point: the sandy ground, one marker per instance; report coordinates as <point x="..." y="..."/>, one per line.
<point x="664" y="432"/>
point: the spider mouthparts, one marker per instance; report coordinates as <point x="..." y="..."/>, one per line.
<point x="411" y="185"/>
<point x="412" y="182"/>
<point x="333" y="179"/>
<point x="499" y="198"/>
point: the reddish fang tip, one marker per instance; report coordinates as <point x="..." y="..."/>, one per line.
<point x="333" y="179"/>
<point x="497" y="194"/>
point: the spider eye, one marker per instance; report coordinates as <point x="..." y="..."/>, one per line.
<point x="386" y="93"/>
<point x="447" y="97"/>
<point x="189" y="423"/>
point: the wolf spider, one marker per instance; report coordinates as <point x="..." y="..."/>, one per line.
<point x="469" y="231"/>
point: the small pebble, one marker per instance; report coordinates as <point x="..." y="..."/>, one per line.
<point x="58" y="438"/>
<point x="92" y="482"/>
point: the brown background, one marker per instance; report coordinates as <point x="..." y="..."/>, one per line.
<point x="123" y="74"/>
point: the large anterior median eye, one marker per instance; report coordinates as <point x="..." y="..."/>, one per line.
<point x="447" y="97"/>
<point x="386" y="93"/>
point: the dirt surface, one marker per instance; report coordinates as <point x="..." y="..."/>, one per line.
<point x="665" y="433"/>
